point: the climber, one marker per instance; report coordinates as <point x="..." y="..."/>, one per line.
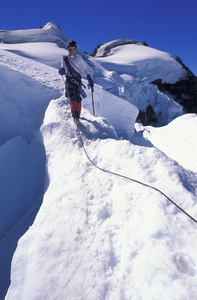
<point x="71" y="66"/>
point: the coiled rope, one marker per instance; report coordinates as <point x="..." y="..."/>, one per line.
<point x="129" y="178"/>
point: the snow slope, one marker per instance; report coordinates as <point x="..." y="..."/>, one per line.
<point x="177" y="145"/>
<point x="27" y="87"/>
<point x="49" y="33"/>
<point x="24" y="96"/>
<point x="142" y="61"/>
<point x="128" y="72"/>
<point x="96" y="235"/>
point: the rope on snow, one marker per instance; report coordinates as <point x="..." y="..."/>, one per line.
<point x="131" y="179"/>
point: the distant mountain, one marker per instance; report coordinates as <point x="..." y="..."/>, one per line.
<point x="92" y="211"/>
<point x="143" y="68"/>
<point x="104" y="49"/>
<point x="183" y="90"/>
<point x="49" y="33"/>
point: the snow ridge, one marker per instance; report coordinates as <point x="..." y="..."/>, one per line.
<point x="100" y="232"/>
<point x="96" y="236"/>
<point x="49" y="33"/>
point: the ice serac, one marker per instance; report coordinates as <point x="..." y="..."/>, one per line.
<point x="167" y="72"/>
<point x="141" y="74"/>
<point x="120" y="113"/>
<point x="104" y="50"/>
<point x="49" y="33"/>
<point x="96" y="235"/>
<point x="23" y="101"/>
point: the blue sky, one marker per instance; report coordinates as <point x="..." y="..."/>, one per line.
<point x="169" y="25"/>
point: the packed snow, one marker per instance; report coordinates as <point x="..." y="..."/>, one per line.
<point x="142" y="61"/>
<point x="74" y="210"/>
<point x="49" y="33"/>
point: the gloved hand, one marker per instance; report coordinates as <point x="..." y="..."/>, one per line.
<point x="90" y="81"/>
<point x="61" y="71"/>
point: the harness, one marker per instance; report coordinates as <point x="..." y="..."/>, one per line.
<point x="75" y="77"/>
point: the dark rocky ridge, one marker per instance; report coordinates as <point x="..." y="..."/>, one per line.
<point x="184" y="91"/>
<point x="117" y="43"/>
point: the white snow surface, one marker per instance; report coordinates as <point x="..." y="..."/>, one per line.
<point x="97" y="235"/>
<point x="142" y="61"/>
<point x="128" y="71"/>
<point x="49" y="33"/>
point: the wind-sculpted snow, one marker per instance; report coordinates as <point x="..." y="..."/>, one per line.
<point x="47" y="53"/>
<point x="49" y="33"/>
<point x="171" y="139"/>
<point x="26" y="90"/>
<point x="128" y="72"/>
<point x="120" y="113"/>
<point x="98" y="236"/>
<point x="21" y="109"/>
<point x="45" y="74"/>
<point x="142" y="61"/>
<point x="23" y="101"/>
<point x="104" y="50"/>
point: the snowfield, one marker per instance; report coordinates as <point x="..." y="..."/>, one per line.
<point x="142" y="61"/>
<point x="84" y="214"/>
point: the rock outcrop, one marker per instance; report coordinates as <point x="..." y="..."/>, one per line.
<point x="103" y="50"/>
<point x="184" y="91"/>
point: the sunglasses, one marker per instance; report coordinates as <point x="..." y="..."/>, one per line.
<point x="71" y="49"/>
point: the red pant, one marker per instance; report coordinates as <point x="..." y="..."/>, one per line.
<point x="75" y="108"/>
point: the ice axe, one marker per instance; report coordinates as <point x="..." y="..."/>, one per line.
<point x="92" y="90"/>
